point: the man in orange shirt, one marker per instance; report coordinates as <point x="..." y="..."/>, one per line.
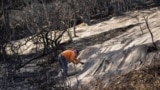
<point x="68" y="56"/>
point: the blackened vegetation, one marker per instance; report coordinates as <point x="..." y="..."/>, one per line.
<point x="38" y="18"/>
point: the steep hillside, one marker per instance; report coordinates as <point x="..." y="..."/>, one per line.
<point x="116" y="52"/>
<point x="126" y="46"/>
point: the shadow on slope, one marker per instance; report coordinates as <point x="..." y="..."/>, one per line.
<point x="98" y="38"/>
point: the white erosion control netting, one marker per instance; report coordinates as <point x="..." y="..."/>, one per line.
<point x="119" y="55"/>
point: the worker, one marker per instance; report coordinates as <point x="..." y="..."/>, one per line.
<point x="68" y="56"/>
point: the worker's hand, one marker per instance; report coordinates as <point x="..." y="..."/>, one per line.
<point x="76" y="61"/>
<point x="79" y="61"/>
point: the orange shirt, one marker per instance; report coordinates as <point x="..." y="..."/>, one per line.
<point x="70" y="55"/>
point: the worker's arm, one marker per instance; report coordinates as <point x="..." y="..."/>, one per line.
<point x="75" y="60"/>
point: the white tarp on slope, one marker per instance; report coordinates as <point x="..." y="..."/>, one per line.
<point x="118" y="55"/>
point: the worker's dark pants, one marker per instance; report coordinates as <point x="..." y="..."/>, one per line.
<point x="63" y="63"/>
